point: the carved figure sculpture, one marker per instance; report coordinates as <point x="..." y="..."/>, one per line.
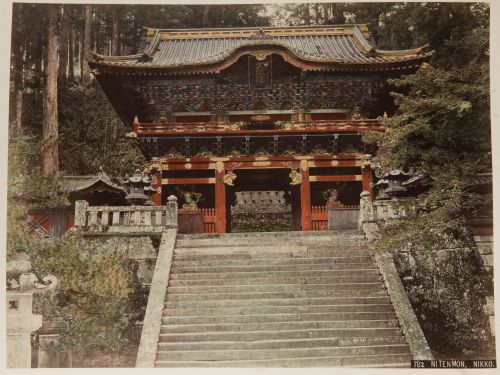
<point x="331" y="197"/>
<point x="191" y="199"/>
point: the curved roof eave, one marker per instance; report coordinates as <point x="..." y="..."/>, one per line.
<point x="142" y="62"/>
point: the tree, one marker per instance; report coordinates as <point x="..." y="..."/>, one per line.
<point x="442" y="130"/>
<point x="18" y="70"/>
<point x="87" y="43"/>
<point x="64" y="42"/>
<point x="50" y="159"/>
<point x="115" y="35"/>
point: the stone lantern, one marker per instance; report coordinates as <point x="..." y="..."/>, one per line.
<point x="394" y="180"/>
<point x="140" y="189"/>
<point x="381" y="186"/>
<point x="21" y="322"/>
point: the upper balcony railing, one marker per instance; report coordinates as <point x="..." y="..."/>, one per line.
<point x="317" y="126"/>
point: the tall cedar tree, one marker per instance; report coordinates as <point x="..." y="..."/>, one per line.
<point x="50" y="159"/>
<point x="87" y="43"/>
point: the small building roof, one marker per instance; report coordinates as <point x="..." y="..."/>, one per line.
<point x="310" y="48"/>
<point x="84" y="184"/>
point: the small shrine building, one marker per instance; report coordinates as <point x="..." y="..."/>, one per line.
<point x="257" y="117"/>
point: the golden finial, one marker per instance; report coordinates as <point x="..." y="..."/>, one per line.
<point x="385" y="115"/>
<point x="136" y="120"/>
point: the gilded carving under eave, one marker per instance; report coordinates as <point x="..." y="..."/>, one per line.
<point x="366" y="162"/>
<point x="229" y="178"/>
<point x="173" y="153"/>
<point x="295" y="177"/>
<point x="204" y="152"/>
<point x="318" y="150"/>
<point x="262" y="153"/>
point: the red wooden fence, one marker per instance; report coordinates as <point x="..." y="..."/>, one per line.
<point x="208" y="220"/>
<point x="319" y="215"/>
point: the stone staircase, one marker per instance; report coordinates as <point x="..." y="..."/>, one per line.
<point x="284" y="299"/>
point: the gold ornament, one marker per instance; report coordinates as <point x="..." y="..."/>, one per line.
<point x="295" y="177"/>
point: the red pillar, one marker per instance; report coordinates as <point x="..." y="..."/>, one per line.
<point x="305" y="197"/>
<point x="220" y="199"/>
<point x="366" y="173"/>
<point x="156" y="185"/>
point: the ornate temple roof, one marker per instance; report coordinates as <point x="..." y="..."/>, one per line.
<point x="310" y="48"/>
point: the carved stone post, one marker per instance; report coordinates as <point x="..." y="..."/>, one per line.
<point x="81" y="213"/>
<point x="172" y="212"/>
<point x="367" y="221"/>
<point x="365" y="208"/>
<point x="21" y="322"/>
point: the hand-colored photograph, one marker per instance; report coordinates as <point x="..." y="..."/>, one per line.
<point x="285" y="185"/>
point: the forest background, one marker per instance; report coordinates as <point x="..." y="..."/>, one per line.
<point x="60" y="123"/>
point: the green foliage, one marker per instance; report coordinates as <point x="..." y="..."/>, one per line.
<point x="27" y="190"/>
<point x="442" y="130"/>
<point x="88" y="123"/>
<point x="92" y="295"/>
<point x="447" y="289"/>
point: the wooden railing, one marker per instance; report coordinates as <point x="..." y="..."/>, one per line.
<point x="208" y="220"/>
<point x="228" y="127"/>
<point x="319" y="215"/>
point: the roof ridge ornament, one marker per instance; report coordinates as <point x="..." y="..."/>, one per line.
<point x="260" y="34"/>
<point x="145" y="57"/>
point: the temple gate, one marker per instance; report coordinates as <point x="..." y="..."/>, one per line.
<point x="221" y="113"/>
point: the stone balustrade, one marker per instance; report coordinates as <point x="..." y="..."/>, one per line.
<point x="122" y="217"/>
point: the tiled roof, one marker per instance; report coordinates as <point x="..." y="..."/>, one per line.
<point x="79" y="183"/>
<point x="342" y="44"/>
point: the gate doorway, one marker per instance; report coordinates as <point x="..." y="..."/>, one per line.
<point x="262" y="200"/>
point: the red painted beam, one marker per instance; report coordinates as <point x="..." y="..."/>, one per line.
<point x="187" y="181"/>
<point x="367" y="180"/>
<point x="335" y="163"/>
<point x="220" y="199"/>
<point x="331" y="178"/>
<point x="180" y="165"/>
<point x="305" y="197"/>
<point x="264" y="164"/>
<point x="347" y="129"/>
<point x="157" y="185"/>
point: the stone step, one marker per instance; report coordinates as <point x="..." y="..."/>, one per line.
<point x="273" y="288"/>
<point x="268" y="318"/>
<point x="276" y="281"/>
<point x="276" y="326"/>
<point x="386" y="360"/>
<point x="213" y="254"/>
<point x="279" y="261"/>
<point x="286" y="306"/>
<point x="279" y="235"/>
<point x="267" y="295"/>
<point x="293" y="267"/>
<point x="263" y="238"/>
<point x="245" y="336"/>
<point x="277" y="306"/>
<point x="281" y="344"/>
<point x="371" y="271"/>
<point x="234" y="355"/>
<point x="263" y="242"/>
